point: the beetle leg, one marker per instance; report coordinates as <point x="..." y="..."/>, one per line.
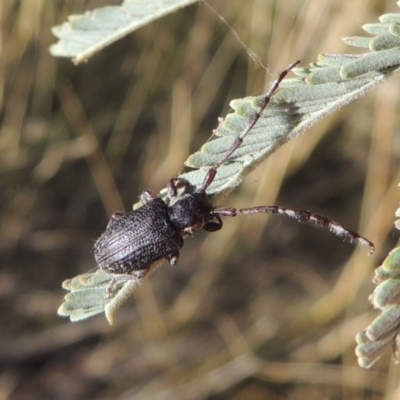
<point x="114" y="218"/>
<point x="137" y="277"/>
<point x="147" y="196"/>
<point x="173" y="186"/>
<point x="173" y="258"/>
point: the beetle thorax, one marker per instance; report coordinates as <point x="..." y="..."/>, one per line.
<point x="190" y="212"/>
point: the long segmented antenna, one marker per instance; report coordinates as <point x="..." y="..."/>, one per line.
<point x="239" y="140"/>
<point x="316" y="220"/>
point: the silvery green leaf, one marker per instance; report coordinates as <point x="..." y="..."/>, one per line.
<point x="394" y="17"/>
<point x="88" y="296"/>
<point x="358" y="41"/>
<point x="368" y="352"/>
<point x="382" y="334"/>
<point x="392" y="262"/>
<point x="387" y="321"/>
<point x="386" y="41"/>
<point x="390" y="267"/>
<point x="381" y="274"/>
<point x="86" y="34"/>
<point x="386" y="293"/>
<point x="370" y="62"/>
<point x="377" y="29"/>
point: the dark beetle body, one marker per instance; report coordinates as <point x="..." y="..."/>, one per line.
<point x="134" y="241"/>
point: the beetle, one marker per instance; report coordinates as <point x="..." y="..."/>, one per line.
<point x="135" y="243"/>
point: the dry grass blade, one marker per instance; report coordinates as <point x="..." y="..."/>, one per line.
<point x="261" y="289"/>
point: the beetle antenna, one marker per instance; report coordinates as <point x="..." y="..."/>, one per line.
<point x="209" y="178"/>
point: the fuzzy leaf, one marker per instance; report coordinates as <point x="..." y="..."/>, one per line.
<point x="88" y="296"/>
<point x="84" y="35"/>
<point x="316" y="92"/>
<point x="382" y="334"/>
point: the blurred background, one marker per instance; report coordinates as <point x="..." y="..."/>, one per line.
<point x="264" y="309"/>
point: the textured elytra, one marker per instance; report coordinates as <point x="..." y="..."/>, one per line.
<point x="134" y="241"/>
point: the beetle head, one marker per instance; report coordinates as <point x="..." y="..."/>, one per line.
<point x="190" y="212"/>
